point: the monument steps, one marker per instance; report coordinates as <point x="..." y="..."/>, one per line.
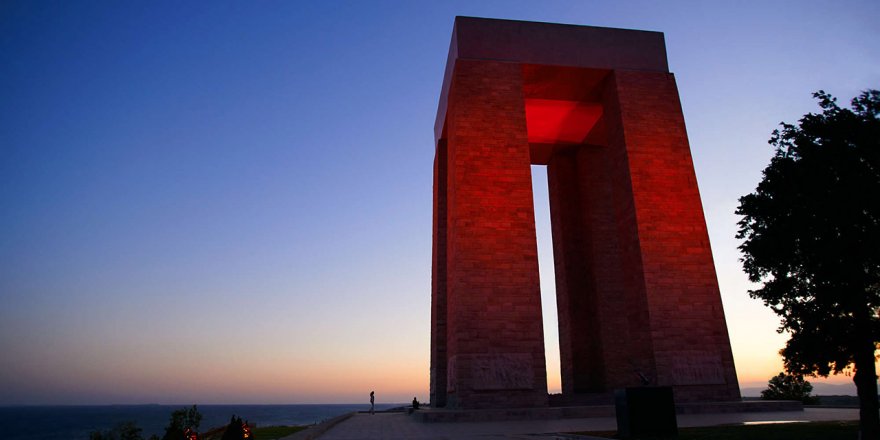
<point x="442" y="415"/>
<point x="581" y="399"/>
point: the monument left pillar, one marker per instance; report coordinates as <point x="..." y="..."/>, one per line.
<point x="438" y="281"/>
<point x="486" y="295"/>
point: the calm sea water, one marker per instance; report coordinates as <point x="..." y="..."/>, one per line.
<point x="76" y="422"/>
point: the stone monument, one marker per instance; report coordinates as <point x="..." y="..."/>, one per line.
<point x="637" y="295"/>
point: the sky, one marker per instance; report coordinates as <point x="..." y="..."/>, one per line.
<point x="230" y="202"/>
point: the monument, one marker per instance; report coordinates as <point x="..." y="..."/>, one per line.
<point x="637" y="295"/>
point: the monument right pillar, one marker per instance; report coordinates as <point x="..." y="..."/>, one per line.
<point x="666" y="255"/>
<point x="637" y="296"/>
<point x="688" y="329"/>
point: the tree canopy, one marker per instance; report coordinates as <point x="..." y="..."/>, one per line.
<point x="180" y="420"/>
<point x="811" y="238"/>
<point x="789" y="387"/>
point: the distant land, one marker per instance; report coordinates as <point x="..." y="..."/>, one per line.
<point x="819" y="389"/>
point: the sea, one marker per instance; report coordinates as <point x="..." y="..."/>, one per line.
<point x="78" y="422"/>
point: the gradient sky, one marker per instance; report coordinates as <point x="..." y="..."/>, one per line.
<point x="230" y="202"/>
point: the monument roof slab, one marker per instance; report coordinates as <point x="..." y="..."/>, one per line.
<point x="528" y="42"/>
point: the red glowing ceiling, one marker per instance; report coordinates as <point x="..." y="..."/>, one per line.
<point x="551" y="121"/>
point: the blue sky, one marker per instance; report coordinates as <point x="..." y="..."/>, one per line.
<point x="222" y="202"/>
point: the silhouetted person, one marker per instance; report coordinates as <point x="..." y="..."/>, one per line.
<point x="415" y="403"/>
<point x="372" y="402"/>
<point x="235" y="429"/>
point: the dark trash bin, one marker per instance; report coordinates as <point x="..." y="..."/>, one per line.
<point x="645" y="412"/>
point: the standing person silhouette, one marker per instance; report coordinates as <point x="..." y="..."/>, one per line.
<point x="372" y="402"/>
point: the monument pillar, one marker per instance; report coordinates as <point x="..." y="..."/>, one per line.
<point x="438" y="282"/>
<point x="668" y="244"/>
<point x="495" y="342"/>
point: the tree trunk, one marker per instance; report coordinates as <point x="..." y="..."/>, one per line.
<point x="866" y="387"/>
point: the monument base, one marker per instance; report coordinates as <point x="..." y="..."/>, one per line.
<point x="442" y="415"/>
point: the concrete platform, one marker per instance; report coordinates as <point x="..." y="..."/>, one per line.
<point x="399" y="426"/>
<point x="595" y="411"/>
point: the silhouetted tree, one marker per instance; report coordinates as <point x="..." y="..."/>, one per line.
<point x="124" y="431"/>
<point x="180" y="420"/>
<point x="811" y="235"/>
<point x="789" y="387"/>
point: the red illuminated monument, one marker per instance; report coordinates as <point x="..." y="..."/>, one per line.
<point x="637" y="293"/>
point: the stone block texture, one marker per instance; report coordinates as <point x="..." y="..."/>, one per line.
<point x="637" y="296"/>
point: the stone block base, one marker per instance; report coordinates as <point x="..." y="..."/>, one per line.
<point x="440" y="415"/>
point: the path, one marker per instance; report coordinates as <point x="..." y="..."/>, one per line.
<point x="398" y="426"/>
